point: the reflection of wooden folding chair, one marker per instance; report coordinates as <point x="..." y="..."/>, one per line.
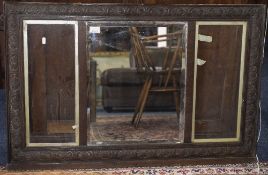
<point x="167" y="75"/>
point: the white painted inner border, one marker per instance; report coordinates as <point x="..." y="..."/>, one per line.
<point x="241" y="79"/>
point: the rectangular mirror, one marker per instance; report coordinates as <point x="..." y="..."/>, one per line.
<point x="138" y="74"/>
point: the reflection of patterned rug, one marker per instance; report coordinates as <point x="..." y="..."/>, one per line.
<point x="151" y="128"/>
<point x="245" y="169"/>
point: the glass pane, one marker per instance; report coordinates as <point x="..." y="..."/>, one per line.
<point x="138" y="77"/>
<point x="50" y="82"/>
<point x="219" y="81"/>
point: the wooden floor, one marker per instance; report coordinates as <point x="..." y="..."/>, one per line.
<point x="60" y="127"/>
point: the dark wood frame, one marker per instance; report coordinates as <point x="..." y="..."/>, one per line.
<point x="143" y="154"/>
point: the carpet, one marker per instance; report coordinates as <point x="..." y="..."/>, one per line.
<point x="153" y="127"/>
<point x="245" y="169"/>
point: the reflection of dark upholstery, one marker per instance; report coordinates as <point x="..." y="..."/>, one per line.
<point x="121" y="88"/>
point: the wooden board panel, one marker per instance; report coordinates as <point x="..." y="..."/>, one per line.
<point x="51" y="74"/>
<point x="83" y="81"/>
<point x="217" y="81"/>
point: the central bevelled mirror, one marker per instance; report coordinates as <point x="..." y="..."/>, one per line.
<point x="137" y="82"/>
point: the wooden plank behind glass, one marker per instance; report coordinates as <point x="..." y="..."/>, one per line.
<point x="217" y="82"/>
<point x="51" y="74"/>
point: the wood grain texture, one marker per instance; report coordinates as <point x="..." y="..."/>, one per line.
<point x="37" y="81"/>
<point x="189" y="82"/>
<point x="217" y="81"/>
<point x="83" y="81"/>
<point x="51" y="74"/>
<point x="92" y="89"/>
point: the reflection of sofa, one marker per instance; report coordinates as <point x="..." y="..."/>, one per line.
<point x="121" y="88"/>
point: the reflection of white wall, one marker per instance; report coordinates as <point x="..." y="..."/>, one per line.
<point x="94" y="29"/>
<point x="162" y="31"/>
<point x="108" y="62"/>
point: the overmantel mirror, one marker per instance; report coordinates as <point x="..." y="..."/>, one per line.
<point x="90" y="84"/>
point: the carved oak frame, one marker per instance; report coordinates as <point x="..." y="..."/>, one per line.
<point x="138" y="154"/>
